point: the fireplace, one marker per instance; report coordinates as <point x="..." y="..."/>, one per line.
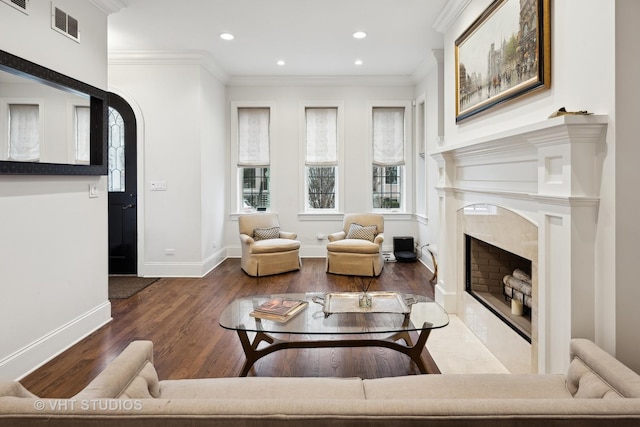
<point x="501" y="281"/>
<point x="534" y="191"/>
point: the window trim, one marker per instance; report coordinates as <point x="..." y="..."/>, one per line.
<point x="406" y="204"/>
<point x="235" y="197"/>
<point x="72" y="133"/>
<point x="421" y="201"/>
<point x="339" y="167"/>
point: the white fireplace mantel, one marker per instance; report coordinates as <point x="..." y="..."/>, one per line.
<point x="548" y="173"/>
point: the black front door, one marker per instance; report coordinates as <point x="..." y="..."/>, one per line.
<point x="122" y="186"/>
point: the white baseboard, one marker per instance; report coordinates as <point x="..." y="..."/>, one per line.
<point x="184" y="269"/>
<point x="448" y="300"/>
<point x="20" y="363"/>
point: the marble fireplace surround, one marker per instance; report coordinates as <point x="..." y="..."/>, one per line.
<point x="534" y="191"/>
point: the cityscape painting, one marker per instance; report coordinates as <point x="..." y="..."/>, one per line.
<point x="504" y="54"/>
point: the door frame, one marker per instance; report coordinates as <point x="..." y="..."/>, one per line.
<point x="140" y="177"/>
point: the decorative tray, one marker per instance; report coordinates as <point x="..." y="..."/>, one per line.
<point x="381" y="302"/>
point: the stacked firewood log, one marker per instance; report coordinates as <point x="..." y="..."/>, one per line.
<point x="517" y="286"/>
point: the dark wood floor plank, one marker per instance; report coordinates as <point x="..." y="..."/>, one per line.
<point x="180" y="316"/>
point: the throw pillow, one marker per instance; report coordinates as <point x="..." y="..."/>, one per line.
<point x="357" y="231"/>
<point x="266" y="233"/>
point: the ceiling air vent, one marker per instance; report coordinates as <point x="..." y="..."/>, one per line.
<point x="65" y="24"/>
<point x="21" y="5"/>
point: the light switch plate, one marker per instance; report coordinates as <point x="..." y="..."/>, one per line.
<point x="158" y="185"/>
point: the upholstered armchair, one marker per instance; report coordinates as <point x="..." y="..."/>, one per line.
<point x="265" y="249"/>
<point x="357" y="249"/>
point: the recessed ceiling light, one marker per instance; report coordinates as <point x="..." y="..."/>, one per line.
<point x="358" y="62"/>
<point x="227" y="36"/>
<point x="359" y="34"/>
<point x="280" y="62"/>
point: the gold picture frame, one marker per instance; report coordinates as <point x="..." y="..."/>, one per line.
<point x="504" y="54"/>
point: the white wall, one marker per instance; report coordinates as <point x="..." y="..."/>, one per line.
<point x="627" y="197"/>
<point x="431" y="88"/>
<point x="183" y="144"/>
<point x="214" y="155"/>
<point x="591" y="70"/>
<point x="53" y="250"/>
<point x="287" y="174"/>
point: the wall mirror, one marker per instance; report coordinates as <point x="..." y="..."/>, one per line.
<point x="50" y="124"/>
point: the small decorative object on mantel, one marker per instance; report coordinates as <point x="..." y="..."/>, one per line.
<point x="563" y="112"/>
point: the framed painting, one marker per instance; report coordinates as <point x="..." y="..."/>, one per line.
<point x="504" y="54"/>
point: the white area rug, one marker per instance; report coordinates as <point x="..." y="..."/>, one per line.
<point x="456" y="350"/>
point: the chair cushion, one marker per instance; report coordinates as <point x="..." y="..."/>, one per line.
<point x="266" y="233"/>
<point x="274" y="245"/>
<point x="357" y="231"/>
<point x="355" y="246"/>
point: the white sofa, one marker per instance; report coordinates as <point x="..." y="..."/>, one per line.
<point x="598" y="390"/>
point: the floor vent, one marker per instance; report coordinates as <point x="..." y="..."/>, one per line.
<point x="21" y="5"/>
<point x="64" y="23"/>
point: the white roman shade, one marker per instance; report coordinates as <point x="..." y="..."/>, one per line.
<point x="388" y="136"/>
<point x="322" y="136"/>
<point x="253" y="137"/>
<point x="24" y="132"/>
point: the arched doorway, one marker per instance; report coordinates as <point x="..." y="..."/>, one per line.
<point x="122" y="187"/>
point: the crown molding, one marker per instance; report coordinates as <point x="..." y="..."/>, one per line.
<point x="449" y="13"/>
<point x="166" y="57"/>
<point x="321" y="81"/>
<point x="111" y="6"/>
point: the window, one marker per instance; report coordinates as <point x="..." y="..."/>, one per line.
<point x="255" y="187"/>
<point x="116" y="147"/>
<point x="24" y="132"/>
<point x="253" y="157"/>
<point x="388" y="157"/>
<point x="321" y="187"/>
<point x="321" y="157"/>
<point x="386" y="187"/>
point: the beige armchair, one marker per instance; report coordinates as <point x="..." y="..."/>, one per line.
<point x="357" y="249"/>
<point x="265" y="249"/>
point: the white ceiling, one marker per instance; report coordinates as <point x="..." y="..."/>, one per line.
<point x="314" y="37"/>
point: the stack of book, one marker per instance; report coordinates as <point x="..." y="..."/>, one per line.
<point x="279" y="309"/>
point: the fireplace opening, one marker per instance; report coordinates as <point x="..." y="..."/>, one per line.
<point x="501" y="281"/>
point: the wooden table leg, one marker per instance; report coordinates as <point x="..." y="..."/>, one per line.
<point x="414" y="351"/>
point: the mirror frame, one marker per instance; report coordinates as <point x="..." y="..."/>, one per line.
<point x="98" y="160"/>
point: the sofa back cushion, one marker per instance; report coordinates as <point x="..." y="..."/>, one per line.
<point x="594" y="373"/>
<point x="264" y="388"/>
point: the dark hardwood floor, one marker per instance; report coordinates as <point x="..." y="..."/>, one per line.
<point x="180" y="316"/>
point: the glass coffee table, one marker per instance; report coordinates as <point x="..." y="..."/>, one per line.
<point x="336" y="319"/>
